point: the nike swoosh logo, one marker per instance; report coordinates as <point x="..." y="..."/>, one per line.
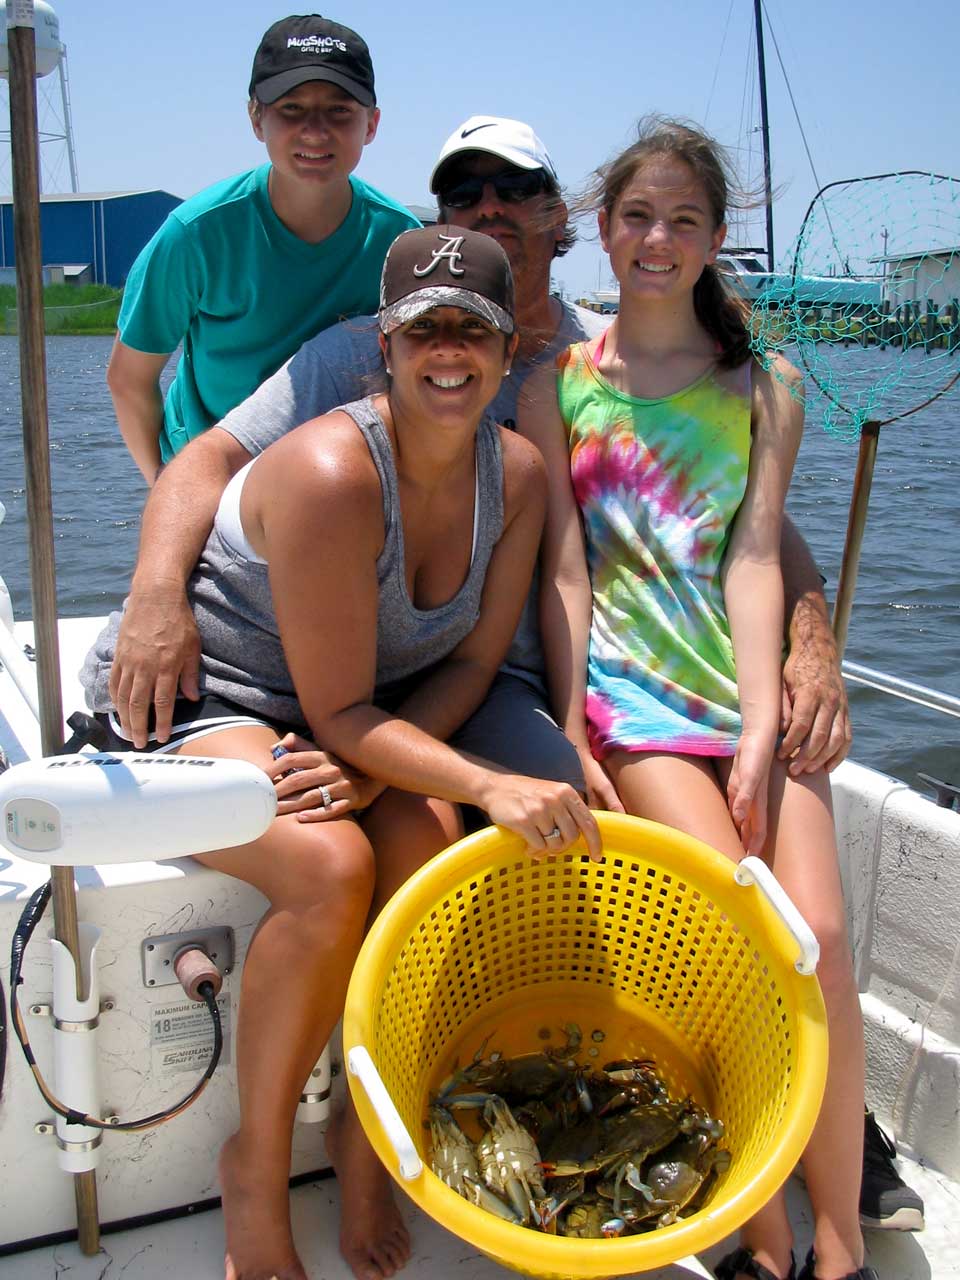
<point x="465" y="133"/>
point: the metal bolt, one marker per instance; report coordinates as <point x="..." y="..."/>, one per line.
<point x="108" y="1005"/>
<point x="111" y="1119"/>
<point x="43" y="1128"/>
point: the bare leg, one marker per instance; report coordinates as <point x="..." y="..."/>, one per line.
<point x="405" y="830"/>
<point x="685" y="793"/>
<point x="805" y="862"/>
<point x="318" y="878"/>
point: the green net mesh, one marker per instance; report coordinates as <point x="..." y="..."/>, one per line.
<point x="867" y="305"/>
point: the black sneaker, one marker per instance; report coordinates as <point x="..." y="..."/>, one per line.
<point x="885" y="1199"/>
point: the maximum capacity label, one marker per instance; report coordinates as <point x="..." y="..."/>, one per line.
<point x="181" y="1036"/>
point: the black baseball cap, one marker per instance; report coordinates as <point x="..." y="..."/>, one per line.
<point x="307" y="47"/>
<point x="446" y="266"/>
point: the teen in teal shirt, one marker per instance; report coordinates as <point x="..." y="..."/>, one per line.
<point x="245" y="271"/>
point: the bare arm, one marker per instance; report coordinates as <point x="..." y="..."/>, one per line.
<point x="158" y="649"/>
<point x="134" y="381"/>
<point x="566" y="597"/>
<point x="323" y="578"/>
<point x="753" y="593"/>
<point x="815" y="718"/>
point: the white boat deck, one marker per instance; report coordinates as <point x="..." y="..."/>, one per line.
<point x="192" y="1248"/>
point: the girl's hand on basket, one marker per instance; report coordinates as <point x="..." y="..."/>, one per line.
<point x="747" y="790"/>
<point x="549" y="816"/>
<point x="601" y="793"/>
<point x="317" y="786"/>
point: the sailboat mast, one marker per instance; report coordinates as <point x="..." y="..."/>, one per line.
<point x="764" y="131"/>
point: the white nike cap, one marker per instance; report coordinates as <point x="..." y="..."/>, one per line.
<point x="512" y="140"/>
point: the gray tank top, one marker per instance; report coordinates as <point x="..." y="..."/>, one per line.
<point x="242" y="655"/>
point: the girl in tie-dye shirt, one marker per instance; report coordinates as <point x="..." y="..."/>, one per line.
<point x="670" y="450"/>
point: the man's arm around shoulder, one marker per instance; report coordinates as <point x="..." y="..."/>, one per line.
<point x="158" y="648"/>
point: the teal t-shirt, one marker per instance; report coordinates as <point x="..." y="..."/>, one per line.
<point x="242" y="292"/>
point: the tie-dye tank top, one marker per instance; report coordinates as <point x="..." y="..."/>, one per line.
<point x="659" y="483"/>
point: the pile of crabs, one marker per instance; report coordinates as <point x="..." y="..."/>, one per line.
<point x="570" y="1148"/>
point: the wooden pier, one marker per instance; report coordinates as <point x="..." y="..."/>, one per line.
<point x="921" y="326"/>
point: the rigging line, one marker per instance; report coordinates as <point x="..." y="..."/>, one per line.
<point x="746" y="113"/>
<point x="745" y="134"/>
<point x="803" y="136"/>
<point x="793" y="103"/>
<point x="716" y="71"/>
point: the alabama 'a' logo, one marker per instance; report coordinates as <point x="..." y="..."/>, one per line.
<point x="450" y="253"/>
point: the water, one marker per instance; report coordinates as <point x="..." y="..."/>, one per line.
<point x="907" y="609"/>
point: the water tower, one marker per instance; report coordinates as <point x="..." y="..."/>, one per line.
<point x="53" y="109"/>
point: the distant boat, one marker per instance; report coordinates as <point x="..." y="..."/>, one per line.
<point x="749" y="276"/>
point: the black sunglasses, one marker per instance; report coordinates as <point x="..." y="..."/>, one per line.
<point x="511" y="188"/>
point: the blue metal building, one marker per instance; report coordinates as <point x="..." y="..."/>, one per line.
<point x="106" y="229"/>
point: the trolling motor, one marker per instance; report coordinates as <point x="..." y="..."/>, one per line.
<point x="80" y="810"/>
<point x="83" y="809"/>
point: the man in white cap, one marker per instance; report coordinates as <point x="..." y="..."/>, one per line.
<point x="492" y="175"/>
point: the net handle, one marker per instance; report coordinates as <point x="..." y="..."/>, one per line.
<point x="360" y="1064"/>
<point x="755" y="871"/>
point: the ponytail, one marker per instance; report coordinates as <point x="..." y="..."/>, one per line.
<point x="724" y="315"/>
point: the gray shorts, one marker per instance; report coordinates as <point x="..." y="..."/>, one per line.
<point x="514" y="728"/>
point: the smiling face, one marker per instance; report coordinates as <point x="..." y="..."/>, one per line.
<point x="661" y="231"/>
<point x="315" y="133"/>
<point x="446" y="364"/>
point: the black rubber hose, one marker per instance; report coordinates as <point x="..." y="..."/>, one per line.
<point x="28" y="922"/>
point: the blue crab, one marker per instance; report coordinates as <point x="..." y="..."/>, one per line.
<point x="509" y="1160"/>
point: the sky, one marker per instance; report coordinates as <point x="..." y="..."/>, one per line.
<point x="158" y="92"/>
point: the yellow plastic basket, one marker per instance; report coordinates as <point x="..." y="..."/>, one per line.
<point x="659" y="947"/>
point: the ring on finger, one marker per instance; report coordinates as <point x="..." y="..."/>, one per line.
<point x="552" y="835"/>
<point x="325" y="797"/>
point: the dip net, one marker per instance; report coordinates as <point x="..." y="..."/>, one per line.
<point x="868" y="305"/>
<point x="869" y="310"/>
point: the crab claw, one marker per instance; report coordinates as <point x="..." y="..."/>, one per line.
<point x="613" y="1227"/>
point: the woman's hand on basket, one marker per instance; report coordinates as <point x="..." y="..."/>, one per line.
<point x="747" y="789"/>
<point x="317" y="786"/>
<point x="549" y="816"/>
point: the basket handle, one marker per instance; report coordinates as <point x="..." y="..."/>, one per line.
<point x="755" y="871"/>
<point x="360" y="1064"/>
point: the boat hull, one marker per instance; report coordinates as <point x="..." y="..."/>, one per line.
<point x="153" y="1045"/>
